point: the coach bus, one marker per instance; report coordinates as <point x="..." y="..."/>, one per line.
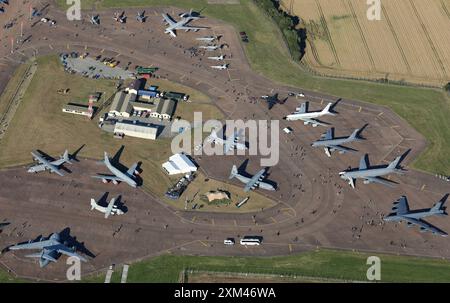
<point x="251" y="240"/>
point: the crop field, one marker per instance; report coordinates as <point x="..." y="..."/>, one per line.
<point x="410" y="43"/>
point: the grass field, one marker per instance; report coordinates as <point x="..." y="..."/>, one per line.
<point x="427" y="110"/>
<point x="322" y="264"/>
<point x="409" y="43"/>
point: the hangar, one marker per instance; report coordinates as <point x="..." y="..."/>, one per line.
<point x="136" y="129"/>
<point x="165" y="109"/>
<point x="179" y="164"/>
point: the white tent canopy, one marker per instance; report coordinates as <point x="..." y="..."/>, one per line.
<point x="179" y="164"/>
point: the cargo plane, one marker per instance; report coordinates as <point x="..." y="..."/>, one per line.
<point x="173" y="25"/>
<point x="302" y="113"/>
<point x="53" y="166"/>
<point x="330" y="143"/>
<point x="111" y="209"/>
<point x="253" y="182"/>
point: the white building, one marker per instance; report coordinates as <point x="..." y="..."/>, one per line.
<point x="179" y="164"/>
<point x="78" y="109"/>
<point x="165" y="109"/>
<point x="136" y="129"/>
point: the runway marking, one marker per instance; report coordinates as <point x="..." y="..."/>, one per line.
<point x="212" y="221"/>
<point x="290" y="248"/>
<point x="360" y="109"/>
<point x="102" y="51"/>
<point x="124" y="273"/>
<point x="235" y="79"/>
<point x="193" y="219"/>
<point x="108" y="276"/>
<point x="68" y="46"/>
<point x="273" y="219"/>
<point x="235" y="223"/>
<point x="203" y="243"/>
<point x="118" y="55"/>
<point x="198" y="83"/>
<point x="51" y="47"/>
<point x="85" y="47"/>
<point x="395" y="126"/>
<point x="321" y="102"/>
<point x="182" y="77"/>
<point x="423" y="187"/>
<point x="380" y="114"/>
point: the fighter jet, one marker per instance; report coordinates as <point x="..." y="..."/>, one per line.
<point x="118" y="176"/>
<point x="302" y="113"/>
<point x="401" y="212"/>
<point x="121" y="18"/>
<point x="251" y="183"/>
<point x="141" y="17"/>
<point x="111" y="209"/>
<point x="371" y="175"/>
<point x="51" y="249"/>
<point x="330" y="143"/>
<point x="180" y="25"/>
<point x="228" y="143"/>
<point x="220" y="58"/>
<point x="48" y="164"/>
<point x="223" y="66"/>
<point x="207" y="39"/>
<point x="272" y="100"/>
<point x="95" y="19"/>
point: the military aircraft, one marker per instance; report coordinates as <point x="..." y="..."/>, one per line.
<point x="371" y="175"/>
<point x="330" y="143"/>
<point x="51" y="249"/>
<point x="302" y="113"/>
<point x="46" y="164"/>
<point x="141" y="17"/>
<point x="207" y="39"/>
<point x="401" y="212"/>
<point x="223" y="66"/>
<point x="253" y="182"/>
<point x="219" y="58"/>
<point x="228" y="143"/>
<point x="2" y="10"/>
<point x="118" y="176"/>
<point x="111" y="209"/>
<point x="272" y="100"/>
<point x="180" y="25"/>
<point x="191" y="14"/>
<point x="4" y="2"/>
<point x="121" y="18"/>
<point x="95" y="19"/>
<point x="209" y="47"/>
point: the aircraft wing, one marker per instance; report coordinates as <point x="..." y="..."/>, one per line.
<point x="62" y="249"/>
<point x="313" y="121"/>
<point x="254" y="181"/>
<point x="168" y="19"/>
<point x="108" y="177"/>
<point x="341" y="148"/>
<point x="401" y="206"/>
<point x="328" y="135"/>
<point x="301" y="109"/>
<point x="192" y="28"/>
<point x="38" y="167"/>
<point x="425" y="226"/>
<point x="33" y="245"/>
<point x="380" y="181"/>
<point x="109" y="208"/>
<point x="46" y="164"/>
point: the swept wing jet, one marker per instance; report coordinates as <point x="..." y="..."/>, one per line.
<point x="207" y="39"/>
<point x="302" y="113"/>
<point x="221" y="67"/>
<point x="229" y="143"/>
<point x="272" y="100"/>
<point x="95" y="19"/>
<point x="219" y="58"/>
<point x="173" y="25"/>
<point x="330" y="143"/>
<point x="141" y="17"/>
<point x="111" y="209"/>
<point x="401" y="212"/>
<point x="117" y="175"/>
<point x="209" y="47"/>
<point x="46" y="164"/>
<point x="371" y="175"/>
<point x="253" y="182"/>
<point x="121" y="18"/>
<point x="50" y="250"/>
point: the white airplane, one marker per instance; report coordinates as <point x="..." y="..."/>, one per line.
<point x="207" y="39"/>
<point x="121" y="18"/>
<point x="45" y="164"/>
<point x="219" y="58"/>
<point x="302" y="113"/>
<point x="223" y="66"/>
<point x="229" y="143"/>
<point x="95" y="19"/>
<point x="180" y="25"/>
<point x="111" y="209"/>
<point x="209" y="47"/>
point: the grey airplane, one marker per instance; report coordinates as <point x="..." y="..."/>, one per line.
<point x="230" y="143"/>
<point x="141" y="17"/>
<point x="401" y="212"/>
<point x="207" y="39"/>
<point x="53" y="166"/>
<point x="173" y="25"/>
<point x="253" y="182"/>
<point x="330" y="143"/>
<point x="118" y="176"/>
<point x="371" y="175"/>
<point x="50" y="249"/>
<point x="121" y="18"/>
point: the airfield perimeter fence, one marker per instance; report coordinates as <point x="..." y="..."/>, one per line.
<point x="295" y="51"/>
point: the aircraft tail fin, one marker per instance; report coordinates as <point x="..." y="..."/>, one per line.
<point x="393" y="164"/>
<point x="439" y="207"/>
<point x="354" y="135"/>
<point x="234" y="172"/>
<point x="93" y="203"/>
<point x="326" y="110"/>
<point x="66" y="156"/>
